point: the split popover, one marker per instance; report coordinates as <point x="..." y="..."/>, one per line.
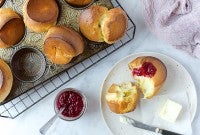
<point x="40" y="15"/>
<point x="61" y="44"/>
<point x="150" y="74"/>
<point x="6" y="80"/>
<point x="12" y="28"/>
<point x="122" y="98"/>
<point x="102" y="25"/>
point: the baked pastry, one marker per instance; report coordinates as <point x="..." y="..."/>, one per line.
<point x="122" y="98"/>
<point x="61" y="44"/>
<point x="6" y="80"/>
<point x="100" y="24"/>
<point x="89" y="23"/>
<point x="2" y="2"/>
<point x="12" y="28"/>
<point x="150" y="74"/>
<point x="79" y="3"/>
<point x="40" y="15"/>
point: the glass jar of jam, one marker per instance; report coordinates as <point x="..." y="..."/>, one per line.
<point x="73" y="101"/>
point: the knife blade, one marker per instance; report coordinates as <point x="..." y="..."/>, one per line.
<point x="131" y="121"/>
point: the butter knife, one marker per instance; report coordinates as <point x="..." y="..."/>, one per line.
<point x="128" y="120"/>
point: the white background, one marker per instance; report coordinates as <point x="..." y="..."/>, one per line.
<point x="90" y="83"/>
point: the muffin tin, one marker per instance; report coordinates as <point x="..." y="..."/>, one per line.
<point x="28" y="64"/>
<point x="26" y="84"/>
<point x="1" y="2"/>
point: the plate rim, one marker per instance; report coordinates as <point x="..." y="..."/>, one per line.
<point x="143" y="53"/>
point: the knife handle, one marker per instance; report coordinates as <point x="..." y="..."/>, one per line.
<point x="165" y="132"/>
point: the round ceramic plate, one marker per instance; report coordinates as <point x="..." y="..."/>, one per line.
<point x="177" y="79"/>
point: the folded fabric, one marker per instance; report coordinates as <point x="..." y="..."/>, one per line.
<point x="176" y="21"/>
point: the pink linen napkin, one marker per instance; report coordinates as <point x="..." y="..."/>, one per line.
<point x="176" y="21"/>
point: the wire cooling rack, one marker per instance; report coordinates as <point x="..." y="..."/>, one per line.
<point x="22" y="103"/>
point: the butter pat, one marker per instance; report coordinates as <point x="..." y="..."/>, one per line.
<point x="170" y="111"/>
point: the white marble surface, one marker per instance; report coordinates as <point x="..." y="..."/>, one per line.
<point x="90" y="82"/>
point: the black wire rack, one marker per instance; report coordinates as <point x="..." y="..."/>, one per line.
<point x="20" y="104"/>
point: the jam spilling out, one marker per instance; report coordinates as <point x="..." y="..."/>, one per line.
<point x="73" y="103"/>
<point x="147" y="70"/>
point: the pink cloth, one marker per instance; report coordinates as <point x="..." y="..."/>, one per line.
<point x="176" y="21"/>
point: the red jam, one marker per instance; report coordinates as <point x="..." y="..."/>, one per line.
<point x="73" y="103"/>
<point x="147" y="70"/>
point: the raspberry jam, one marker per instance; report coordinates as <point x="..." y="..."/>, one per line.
<point x="147" y="70"/>
<point x="72" y="101"/>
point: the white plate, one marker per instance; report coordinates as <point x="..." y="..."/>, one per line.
<point x="177" y="79"/>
